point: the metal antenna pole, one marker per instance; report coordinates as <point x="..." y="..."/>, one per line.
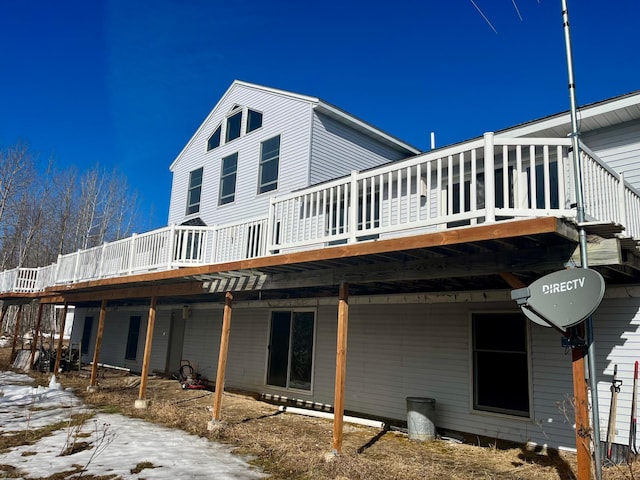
<point x="577" y="166"/>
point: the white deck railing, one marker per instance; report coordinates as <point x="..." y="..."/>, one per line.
<point x="483" y="181"/>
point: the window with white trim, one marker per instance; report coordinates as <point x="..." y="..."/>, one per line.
<point x="228" y="170"/>
<point x="234" y="127"/>
<point x="501" y="363"/>
<point x="195" y="191"/>
<point x="238" y="122"/>
<point x="254" y="120"/>
<point x="269" y="165"/>
<point x="291" y="344"/>
<point x="214" y="139"/>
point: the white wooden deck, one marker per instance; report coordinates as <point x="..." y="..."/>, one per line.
<point x="488" y="180"/>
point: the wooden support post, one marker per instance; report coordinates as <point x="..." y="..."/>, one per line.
<point x="5" y="307"/>
<point x="63" y="324"/>
<point x="341" y="367"/>
<point x="36" y="336"/>
<point x="16" y="332"/>
<point x="96" y="352"/>
<point x="222" y="357"/>
<point x="581" y="406"/>
<point x="141" y="403"/>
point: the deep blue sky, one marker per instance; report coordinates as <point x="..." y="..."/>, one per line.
<point x="125" y="84"/>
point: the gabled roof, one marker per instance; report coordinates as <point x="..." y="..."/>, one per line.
<point x="320" y="106"/>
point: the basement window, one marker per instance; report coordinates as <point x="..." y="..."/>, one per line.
<point x="501" y="363"/>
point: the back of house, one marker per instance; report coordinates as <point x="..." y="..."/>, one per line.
<point x="464" y="344"/>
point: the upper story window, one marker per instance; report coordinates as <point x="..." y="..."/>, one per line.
<point x="234" y="125"/>
<point x="214" y="139"/>
<point x="238" y="122"/>
<point x="195" y="190"/>
<point x="228" y="170"/>
<point x="269" y="165"/>
<point x="254" y="120"/>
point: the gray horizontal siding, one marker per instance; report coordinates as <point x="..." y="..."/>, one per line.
<point x="337" y="149"/>
<point x="395" y="351"/>
<point x="619" y="147"/>
<point x="617" y="341"/>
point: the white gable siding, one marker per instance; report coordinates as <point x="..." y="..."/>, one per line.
<point x="619" y="146"/>
<point x="283" y="116"/>
<point x="337" y="150"/>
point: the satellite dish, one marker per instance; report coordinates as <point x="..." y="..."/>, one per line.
<point x="562" y="299"/>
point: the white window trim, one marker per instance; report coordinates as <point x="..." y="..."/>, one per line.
<point x="235" y="185"/>
<point x="244" y="122"/>
<point x="262" y="142"/>
<point x="186" y="210"/>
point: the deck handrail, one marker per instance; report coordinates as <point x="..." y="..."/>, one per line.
<point x="486" y="180"/>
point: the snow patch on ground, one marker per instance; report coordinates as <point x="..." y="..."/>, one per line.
<point x="107" y="443"/>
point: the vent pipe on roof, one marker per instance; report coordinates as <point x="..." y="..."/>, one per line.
<point x="433" y="140"/>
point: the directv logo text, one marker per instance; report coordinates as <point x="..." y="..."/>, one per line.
<point x="563" y="286"/>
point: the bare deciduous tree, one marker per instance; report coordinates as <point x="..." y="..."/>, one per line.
<point x="47" y="212"/>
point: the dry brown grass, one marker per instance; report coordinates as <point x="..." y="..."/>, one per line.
<point x="293" y="447"/>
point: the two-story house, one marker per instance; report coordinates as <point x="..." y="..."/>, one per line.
<point x="296" y="209"/>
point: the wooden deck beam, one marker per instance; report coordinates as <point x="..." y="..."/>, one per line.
<point x="115" y="293"/>
<point x="485" y="232"/>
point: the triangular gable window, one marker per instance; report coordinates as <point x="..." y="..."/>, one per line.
<point x="235" y="126"/>
<point x="214" y="139"/>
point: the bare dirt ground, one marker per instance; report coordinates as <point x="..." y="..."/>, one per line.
<point x="288" y="446"/>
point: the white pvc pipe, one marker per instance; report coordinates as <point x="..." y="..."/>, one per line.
<point x="347" y="418"/>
